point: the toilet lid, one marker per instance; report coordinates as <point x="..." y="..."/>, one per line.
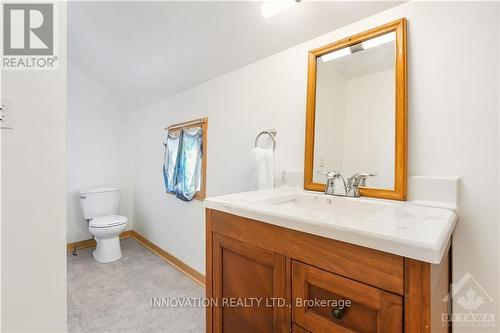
<point x="107" y="221"/>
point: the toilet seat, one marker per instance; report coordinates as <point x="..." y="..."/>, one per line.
<point x="107" y="221"/>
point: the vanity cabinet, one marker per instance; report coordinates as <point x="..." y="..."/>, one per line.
<point x="302" y="281"/>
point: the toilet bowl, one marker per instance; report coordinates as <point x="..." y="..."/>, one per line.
<point x="99" y="207"/>
<point x="106" y="231"/>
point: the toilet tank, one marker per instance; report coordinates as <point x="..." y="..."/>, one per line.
<point x="99" y="201"/>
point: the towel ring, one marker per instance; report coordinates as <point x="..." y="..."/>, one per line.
<point x="271" y="133"/>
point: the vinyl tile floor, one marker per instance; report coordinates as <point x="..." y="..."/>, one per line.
<point x="117" y="297"/>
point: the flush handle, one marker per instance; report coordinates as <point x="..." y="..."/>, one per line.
<point x="337" y="312"/>
<point x="83" y="197"/>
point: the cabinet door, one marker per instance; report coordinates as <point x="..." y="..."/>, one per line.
<point x="254" y="277"/>
<point x="318" y="297"/>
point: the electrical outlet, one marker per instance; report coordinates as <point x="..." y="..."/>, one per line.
<point x="6" y="113"/>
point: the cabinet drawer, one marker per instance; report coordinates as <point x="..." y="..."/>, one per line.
<point x="318" y="295"/>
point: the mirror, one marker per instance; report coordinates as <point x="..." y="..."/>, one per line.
<point x="354" y="122"/>
<point x="356" y="111"/>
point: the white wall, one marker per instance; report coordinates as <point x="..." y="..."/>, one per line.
<point x="498" y="231"/>
<point x="453" y="129"/>
<point x="99" y="147"/>
<point x="34" y="199"/>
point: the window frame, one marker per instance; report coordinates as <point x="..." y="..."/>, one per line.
<point x="203" y="124"/>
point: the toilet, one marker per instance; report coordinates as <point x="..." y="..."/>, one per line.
<point x="99" y="207"/>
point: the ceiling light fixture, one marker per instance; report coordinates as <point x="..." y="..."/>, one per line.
<point x="272" y="7"/>
<point x="387" y="38"/>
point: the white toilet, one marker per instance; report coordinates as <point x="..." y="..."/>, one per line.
<point x="99" y="207"/>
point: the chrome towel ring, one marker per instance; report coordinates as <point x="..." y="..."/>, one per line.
<point x="271" y="133"/>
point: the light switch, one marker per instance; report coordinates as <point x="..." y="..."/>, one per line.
<point x="6" y="113"/>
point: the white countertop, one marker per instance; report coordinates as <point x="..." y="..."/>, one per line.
<point x="412" y="230"/>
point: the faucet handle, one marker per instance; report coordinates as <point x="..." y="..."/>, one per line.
<point x="329" y="174"/>
<point x="360" y="178"/>
<point x="330" y="180"/>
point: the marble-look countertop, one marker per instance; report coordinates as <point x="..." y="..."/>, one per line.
<point x="414" y="230"/>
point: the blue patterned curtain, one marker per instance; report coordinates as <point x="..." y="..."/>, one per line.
<point x="182" y="166"/>
<point x="170" y="161"/>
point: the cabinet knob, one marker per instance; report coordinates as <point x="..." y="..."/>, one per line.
<point x="337" y="313"/>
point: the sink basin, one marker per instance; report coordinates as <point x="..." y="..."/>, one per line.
<point x="324" y="207"/>
<point x="402" y="228"/>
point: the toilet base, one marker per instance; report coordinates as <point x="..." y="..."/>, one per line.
<point x="107" y="249"/>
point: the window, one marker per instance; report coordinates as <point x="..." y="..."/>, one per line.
<point x="184" y="168"/>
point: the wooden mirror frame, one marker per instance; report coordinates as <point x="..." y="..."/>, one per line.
<point x="400" y="170"/>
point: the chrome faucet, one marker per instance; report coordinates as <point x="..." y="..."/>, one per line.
<point x="332" y="179"/>
<point x="336" y="184"/>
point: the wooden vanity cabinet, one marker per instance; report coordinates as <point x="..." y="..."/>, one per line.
<point x="248" y="260"/>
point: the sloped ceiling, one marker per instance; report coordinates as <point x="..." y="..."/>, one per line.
<point x="147" y="51"/>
